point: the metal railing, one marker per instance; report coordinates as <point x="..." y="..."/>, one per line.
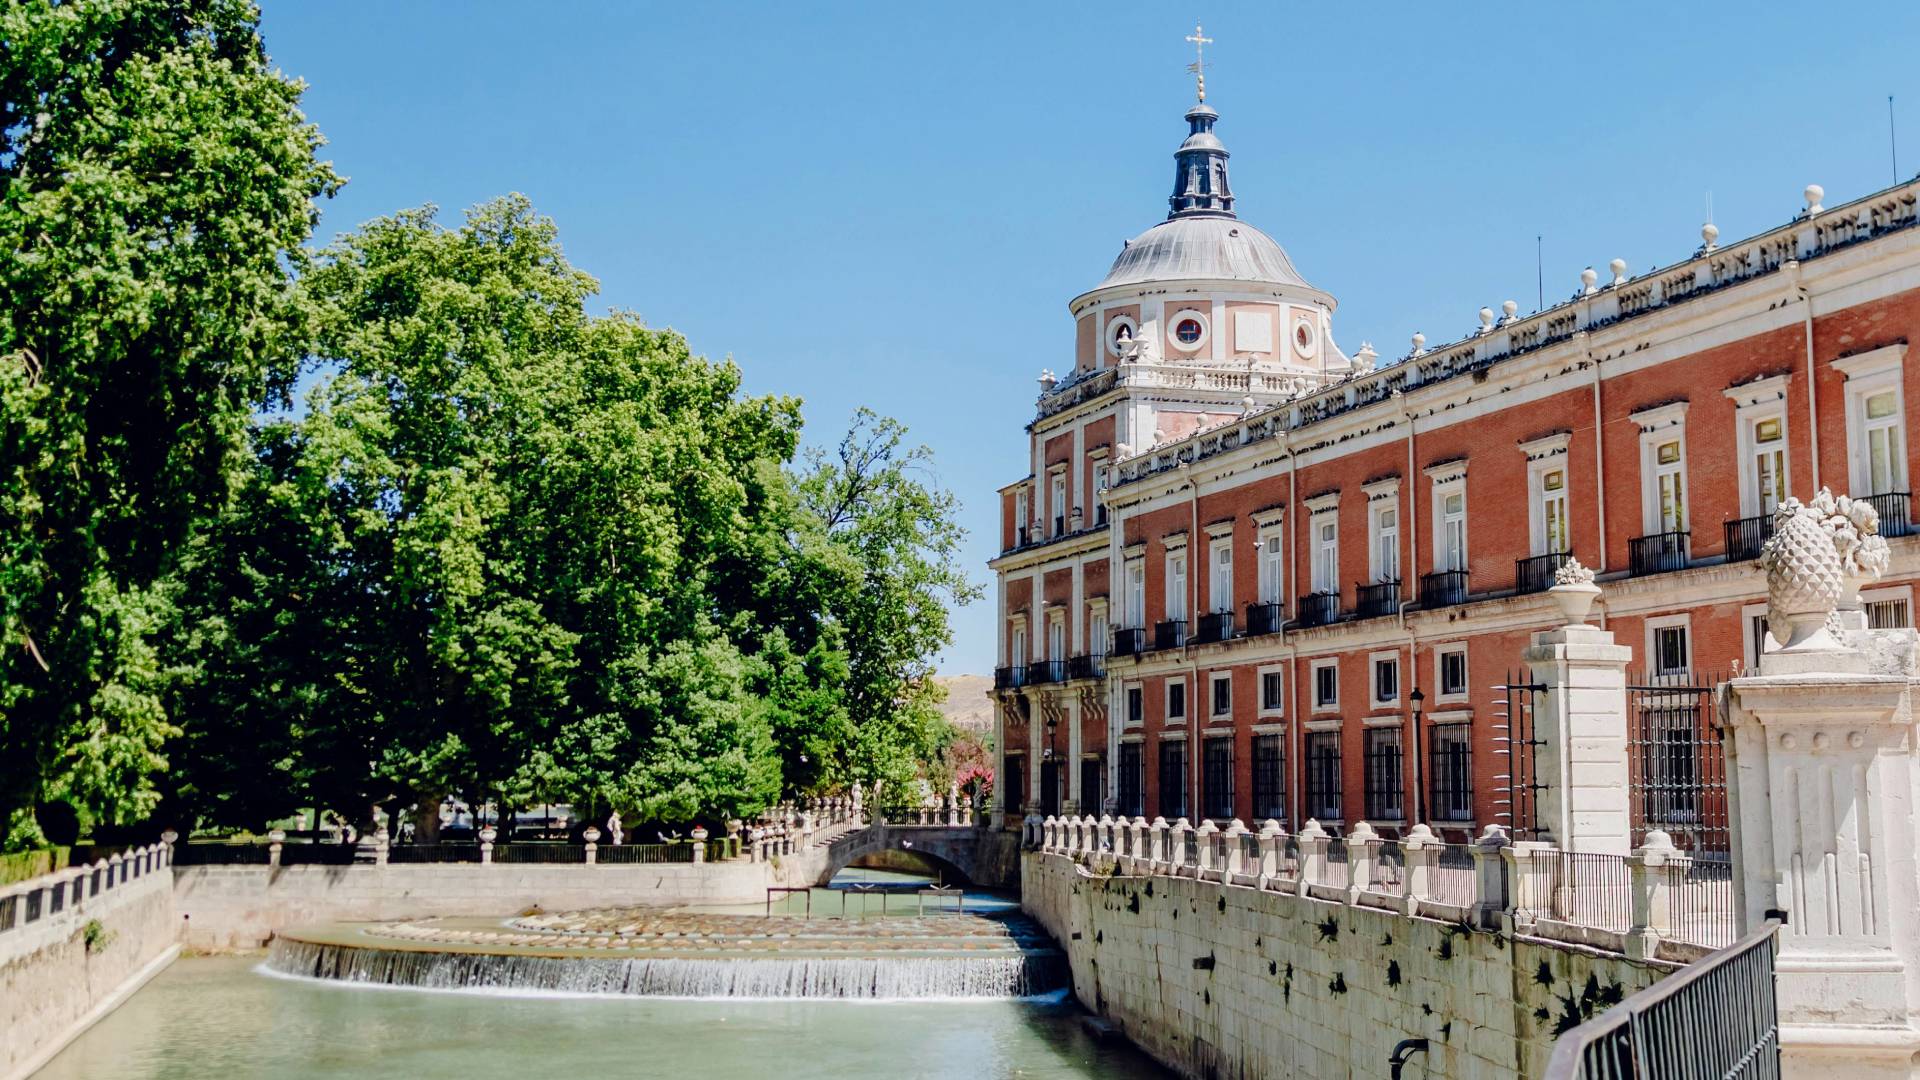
<point x="433" y="853"/>
<point x="1717" y="1018"/>
<point x="1043" y="672"/>
<point x="1317" y="609"/>
<point x="1535" y="573"/>
<point x="1746" y="536"/>
<point x="1266" y="618"/>
<point x="1006" y="678"/>
<point x="1895" y="510"/>
<point x="1373" y="601"/>
<point x="1443" y="588"/>
<point x="1091" y="666"/>
<point x="1658" y="553"/>
<point x="1170" y="634"/>
<point x="632" y="854"/>
<point x="1130" y="641"/>
<point x="1213" y="626"/>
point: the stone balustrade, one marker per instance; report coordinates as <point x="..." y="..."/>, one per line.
<point x="50" y="906"/>
<point x="1624" y="904"/>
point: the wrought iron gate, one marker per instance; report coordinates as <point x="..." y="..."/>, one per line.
<point x="1516" y="804"/>
<point x="1676" y="764"/>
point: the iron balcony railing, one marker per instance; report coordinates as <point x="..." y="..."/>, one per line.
<point x="1716" y="1017"/>
<point x="1006" y="678"/>
<point x="1047" y="671"/>
<point x="1895" y="510"/>
<point x="1266" y="618"/>
<point x="1214" y="626"/>
<point x="1170" y="634"/>
<point x="1746" y="536"/>
<point x="1443" y="588"/>
<point x="1535" y="573"/>
<point x="1658" y="553"/>
<point x="1377" y="599"/>
<point x="1129" y="641"/>
<point x="1091" y="666"/>
<point x="1318" y="609"/>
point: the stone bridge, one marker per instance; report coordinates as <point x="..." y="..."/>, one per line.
<point x="963" y="854"/>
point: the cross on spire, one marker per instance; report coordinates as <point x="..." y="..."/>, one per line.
<point x="1199" y="65"/>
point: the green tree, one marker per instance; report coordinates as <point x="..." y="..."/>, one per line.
<point x="156" y="183"/>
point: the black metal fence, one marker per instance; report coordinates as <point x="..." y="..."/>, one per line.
<point x="1746" y="536"/>
<point x="1517" y="786"/>
<point x="1214" y="626"/>
<point x="1676" y="765"/>
<point x="1716" y="1019"/>
<point x="1658" y="553"/>
<point x="1265" y="618"/>
<point x="1535" y="573"/>
<point x="1443" y="588"/>
<point x="1377" y="599"/>
<point x="1170" y="634"/>
<point x="1895" y="510"/>
<point x="1317" y="609"/>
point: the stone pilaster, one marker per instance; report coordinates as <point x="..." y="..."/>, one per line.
<point x="1581" y="722"/>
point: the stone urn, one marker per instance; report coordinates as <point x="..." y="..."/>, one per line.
<point x="1804" y="577"/>
<point x="591" y="835"/>
<point x="699" y="833"/>
<point x="1574" y="591"/>
<point x="488" y="834"/>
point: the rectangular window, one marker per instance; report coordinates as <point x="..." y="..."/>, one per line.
<point x="1136" y="706"/>
<point x="1217" y="775"/>
<point x="1885" y="453"/>
<point x="1671" y="767"/>
<point x="1176" y="586"/>
<point x="1757" y="637"/>
<point x="1384" y="797"/>
<point x="1269" y="778"/>
<point x="1670" y="487"/>
<point x="1452" y="774"/>
<point x="1888" y="615"/>
<point x="1452" y="664"/>
<point x="1550" y="508"/>
<point x="1136" y="613"/>
<point x="1323" y="776"/>
<point x="1222" y="695"/>
<point x="1173" y="780"/>
<point x="1132" y="780"/>
<point x="1452" y="549"/>
<point x="1176" y="701"/>
<point x="1271" y="561"/>
<point x="1018" y="655"/>
<point x="1220" y="589"/>
<point x="1326" y="685"/>
<point x="1013" y="779"/>
<point x="1020" y="517"/>
<point x="1059" y="503"/>
<point x="1326" y="554"/>
<point x="1768" y="468"/>
<point x="1057" y="638"/>
<point x="1273" y="691"/>
<point x="1386" y="543"/>
<point x="1386" y="681"/>
<point x="1093" y="781"/>
<point x="1670" y="652"/>
<point x="1101" y="637"/>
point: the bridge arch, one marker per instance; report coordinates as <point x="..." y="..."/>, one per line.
<point x="957" y="847"/>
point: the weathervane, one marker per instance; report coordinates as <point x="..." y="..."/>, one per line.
<point x="1199" y="65"/>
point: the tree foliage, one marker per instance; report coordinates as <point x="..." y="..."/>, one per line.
<point x="156" y="183"/>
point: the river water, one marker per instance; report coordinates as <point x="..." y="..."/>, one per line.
<point x="215" y="1018"/>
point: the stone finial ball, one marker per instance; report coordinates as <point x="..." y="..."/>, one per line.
<point x="1814" y="194"/>
<point x="1619" y="267"/>
<point x="1509" y="307"/>
<point x="1709" y="232"/>
<point x="1419" y="342"/>
<point x="1486" y="315"/>
<point x="1589" y="276"/>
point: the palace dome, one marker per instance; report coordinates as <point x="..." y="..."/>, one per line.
<point x="1218" y="248"/>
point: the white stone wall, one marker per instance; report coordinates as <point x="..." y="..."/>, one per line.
<point x="1287" y="986"/>
<point x="53" y="984"/>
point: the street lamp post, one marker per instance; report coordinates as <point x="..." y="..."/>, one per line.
<point x="1417" y="699"/>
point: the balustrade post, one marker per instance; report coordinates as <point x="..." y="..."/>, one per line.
<point x="487" y="836"/>
<point x="1422" y="855"/>
<point x="1109" y="842"/>
<point x="1363" y="847"/>
<point x="1203" y="847"/>
<point x="1090" y="832"/>
<point x="382" y="844"/>
<point x="592" y="836"/>
<point x="276" y="842"/>
<point x="170" y="838"/>
<point x="1490" y="876"/>
<point x="1177" y="846"/>
<point x="1313" y="855"/>
<point x="1530" y="867"/>
<point x="698" y="836"/>
<point x="1648" y="870"/>
<point x="1157" y="840"/>
<point x="1273" y="840"/>
<point x="1236" y="850"/>
<point x="1141" y="834"/>
<point x="1050" y="834"/>
<point x="806" y="830"/>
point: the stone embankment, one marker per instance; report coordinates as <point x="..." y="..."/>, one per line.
<point x="74" y="944"/>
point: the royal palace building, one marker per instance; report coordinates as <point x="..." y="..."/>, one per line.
<point x="1249" y="575"/>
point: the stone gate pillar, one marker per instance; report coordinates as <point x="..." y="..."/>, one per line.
<point x="1581" y="723"/>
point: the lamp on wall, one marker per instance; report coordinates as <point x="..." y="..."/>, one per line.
<point x="1417" y="699"/>
<point x="1053" y="723"/>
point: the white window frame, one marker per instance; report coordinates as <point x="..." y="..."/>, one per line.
<point x="1755" y="403"/>
<point x="1134" y="600"/>
<point x="1097" y="463"/>
<point x="1099" y="627"/>
<point x="1126" y="714"/>
<point x="1059" y="520"/>
<point x="1449" y="478"/>
<point x="1440" y="693"/>
<point x="1056" y="636"/>
<point x="1902" y="593"/>
<point x="1324" y="569"/>
<point x="1018" y="646"/>
<point x="1260" y="690"/>
<point x="1870" y="374"/>
<point x="1166" y="699"/>
<point x="1022" y="514"/>
<point x="1544" y="457"/>
<point x="1373" y="684"/>
<point x="1383" y="562"/>
<point x="1174" y="581"/>
<point x="1173" y="327"/>
<point x="1220" y="574"/>
<point x="1658" y="426"/>
<point x="1113" y="345"/>
<point x="1272" y="568"/>
<point x="1213" y="683"/>
<point x="1657" y="623"/>
<point x="1313" y="686"/>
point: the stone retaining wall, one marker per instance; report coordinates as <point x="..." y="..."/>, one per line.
<point x="1229" y="982"/>
<point x="54" y="981"/>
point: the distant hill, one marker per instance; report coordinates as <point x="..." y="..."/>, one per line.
<point x="967" y="704"/>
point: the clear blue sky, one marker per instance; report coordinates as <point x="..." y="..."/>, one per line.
<point x="891" y="205"/>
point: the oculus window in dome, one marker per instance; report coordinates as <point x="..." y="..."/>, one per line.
<point x="1188" y="330"/>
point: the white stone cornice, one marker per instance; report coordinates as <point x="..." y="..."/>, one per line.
<point x="1219" y="529"/>
<point x="1444" y="472"/>
<point x="1269" y="516"/>
<point x="1653" y="418"/>
<point x="1554" y="445"/>
<point x="1387" y="487"/>
<point x="1873" y="361"/>
<point x="1174" y="541"/>
<point x="1760" y="391"/>
<point x="1320" y="504"/>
